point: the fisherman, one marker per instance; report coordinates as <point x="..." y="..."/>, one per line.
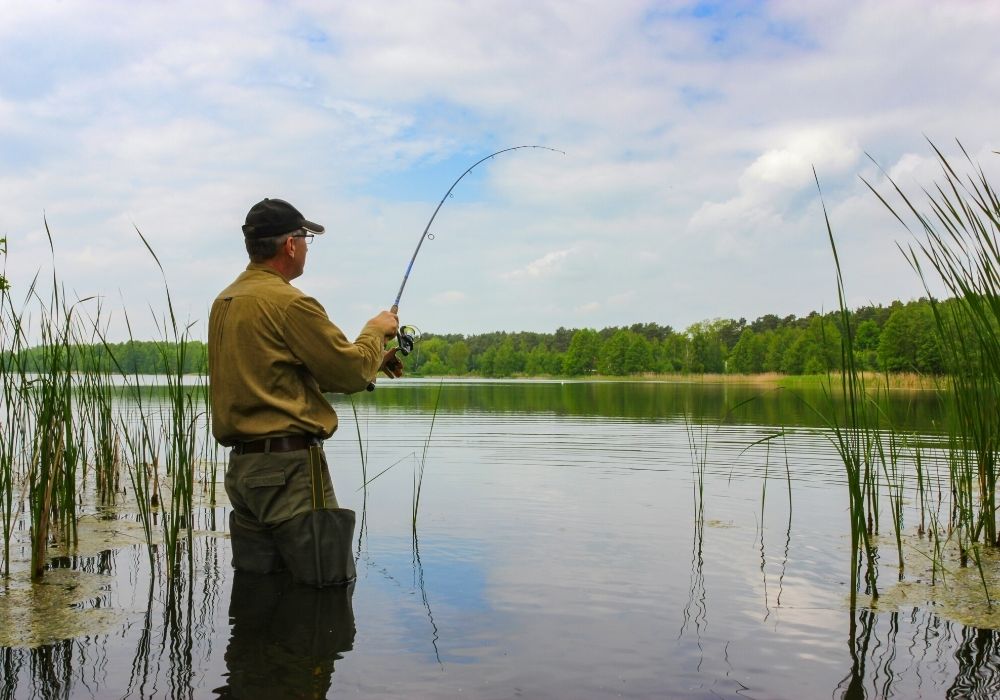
<point x="273" y="352"/>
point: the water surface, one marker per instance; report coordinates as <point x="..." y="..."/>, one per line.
<point x="557" y="555"/>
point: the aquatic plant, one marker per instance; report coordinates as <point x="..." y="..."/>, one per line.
<point x="418" y="474"/>
<point x="209" y="447"/>
<point x="363" y="451"/>
<point x="956" y="244"/>
<point x="55" y="448"/>
<point x="696" y="610"/>
<point x="63" y="418"/>
<point x="179" y="424"/>
<point x="96" y="409"/>
<point x="698" y="449"/>
<point x="13" y="428"/>
<point x="854" y="432"/>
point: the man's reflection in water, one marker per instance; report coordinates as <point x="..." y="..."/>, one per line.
<point x="285" y="637"/>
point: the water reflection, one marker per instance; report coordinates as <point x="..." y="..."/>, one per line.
<point x="885" y="665"/>
<point x="979" y="663"/>
<point x="418" y="575"/>
<point x="508" y="583"/>
<point x="910" y="410"/>
<point x="285" y="637"/>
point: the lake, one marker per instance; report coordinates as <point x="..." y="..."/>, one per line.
<point x="558" y="553"/>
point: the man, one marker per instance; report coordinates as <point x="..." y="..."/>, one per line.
<point x="273" y="352"/>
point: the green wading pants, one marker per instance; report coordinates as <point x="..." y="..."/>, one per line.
<point x="285" y="515"/>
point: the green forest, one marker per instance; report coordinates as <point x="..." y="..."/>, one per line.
<point x="132" y="357"/>
<point x="901" y="337"/>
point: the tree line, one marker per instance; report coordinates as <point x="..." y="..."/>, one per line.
<point x="901" y="337"/>
<point x="131" y="357"/>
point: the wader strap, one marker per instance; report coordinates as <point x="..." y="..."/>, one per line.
<point x="316" y="471"/>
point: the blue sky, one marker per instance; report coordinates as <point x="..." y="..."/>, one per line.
<point x="685" y="194"/>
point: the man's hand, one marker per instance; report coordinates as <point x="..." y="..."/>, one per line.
<point x="387" y="322"/>
<point x="391" y="365"/>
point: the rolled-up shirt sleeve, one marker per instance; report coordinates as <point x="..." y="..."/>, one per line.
<point x="337" y="364"/>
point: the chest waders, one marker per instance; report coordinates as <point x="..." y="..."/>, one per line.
<point x="316" y="545"/>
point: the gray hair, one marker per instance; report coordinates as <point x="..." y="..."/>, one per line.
<point x="263" y="249"/>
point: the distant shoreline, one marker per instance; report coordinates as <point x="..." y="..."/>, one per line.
<point x="896" y="380"/>
<point x="908" y="381"/>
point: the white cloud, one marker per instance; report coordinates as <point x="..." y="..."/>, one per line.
<point x="687" y="176"/>
<point x="770" y="183"/>
<point x="549" y="264"/>
<point x="791" y="165"/>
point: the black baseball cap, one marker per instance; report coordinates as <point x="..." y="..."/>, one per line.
<point x="273" y="217"/>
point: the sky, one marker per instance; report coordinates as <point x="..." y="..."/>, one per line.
<point x="686" y="191"/>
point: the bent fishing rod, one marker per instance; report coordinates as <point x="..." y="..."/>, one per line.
<point x="405" y="335"/>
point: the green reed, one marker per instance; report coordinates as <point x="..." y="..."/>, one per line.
<point x="362" y="449"/>
<point x="695" y="609"/>
<point x="56" y="448"/>
<point x="142" y="448"/>
<point x="210" y="448"/>
<point x="62" y="417"/>
<point x="96" y="409"/>
<point x="698" y="449"/>
<point x="179" y="432"/>
<point x="418" y="474"/>
<point x="930" y="511"/>
<point x="957" y="242"/>
<point x="13" y="417"/>
<point x="42" y="445"/>
<point x="857" y="436"/>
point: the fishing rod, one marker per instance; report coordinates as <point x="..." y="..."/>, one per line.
<point x="405" y="335"/>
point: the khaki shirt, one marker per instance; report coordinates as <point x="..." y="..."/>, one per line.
<point x="272" y="352"/>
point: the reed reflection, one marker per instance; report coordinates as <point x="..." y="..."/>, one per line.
<point x="418" y="575"/>
<point x="978" y="658"/>
<point x="285" y="637"/>
<point x="941" y="659"/>
<point x="862" y="629"/>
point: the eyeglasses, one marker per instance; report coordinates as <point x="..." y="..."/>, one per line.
<point x="308" y="236"/>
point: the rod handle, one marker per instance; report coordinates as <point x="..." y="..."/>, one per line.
<point x="394" y="309"/>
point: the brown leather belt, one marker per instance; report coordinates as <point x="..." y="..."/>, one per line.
<point x="278" y="444"/>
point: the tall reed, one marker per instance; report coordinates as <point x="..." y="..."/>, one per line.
<point x="695" y="610"/>
<point x="418" y="474"/>
<point x="96" y="409"/>
<point x="56" y="448"/>
<point x="364" y="475"/>
<point x="139" y="434"/>
<point x="957" y="244"/>
<point x="59" y="419"/>
<point x="209" y="447"/>
<point x="179" y="424"/>
<point x="854" y="431"/>
<point x="13" y="430"/>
